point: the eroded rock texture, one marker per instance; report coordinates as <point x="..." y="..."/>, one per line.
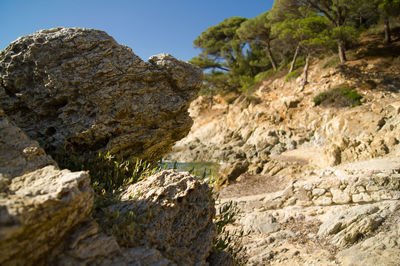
<point x="174" y="212"/>
<point x="39" y="203"/>
<point x="77" y="88"/>
<point x="45" y="214"/>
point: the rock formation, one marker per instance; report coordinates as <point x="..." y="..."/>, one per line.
<point x="176" y="213"/>
<point x="45" y="214"/>
<point x="78" y="89"/>
<point x="39" y="203"/>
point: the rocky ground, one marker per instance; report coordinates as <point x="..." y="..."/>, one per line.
<point x="335" y="216"/>
<point x="316" y="185"/>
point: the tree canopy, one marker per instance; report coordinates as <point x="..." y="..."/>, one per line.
<point x="238" y="50"/>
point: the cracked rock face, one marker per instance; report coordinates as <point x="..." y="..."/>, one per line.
<point x="79" y="89"/>
<point x="175" y="215"/>
<point x="39" y="203"/>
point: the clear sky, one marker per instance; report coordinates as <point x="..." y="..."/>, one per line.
<point x="147" y="26"/>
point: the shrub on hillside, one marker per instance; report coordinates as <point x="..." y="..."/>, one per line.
<point x="291" y="76"/>
<point x="341" y="96"/>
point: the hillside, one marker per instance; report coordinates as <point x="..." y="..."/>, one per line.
<point x="317" y="179"/>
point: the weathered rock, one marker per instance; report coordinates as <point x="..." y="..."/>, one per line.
<point x="262" y="223"/>
<point x="381" y="249"/>
<point x="77" y="88"/>
<point x="347" y="227"/>
<point x="18" y="153"/>
<point x="45" y="214"/>
<point x="174" y="212"/>
<point x="88" y="245"/>
<point x="37" y="207"/>
<point x="231" y="172"/>
<point x="84" y="245"/>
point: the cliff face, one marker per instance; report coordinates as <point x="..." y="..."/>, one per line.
<point x="279" y="117"/>
<point x="78" y="89"/>
<point x="316" y="184"/>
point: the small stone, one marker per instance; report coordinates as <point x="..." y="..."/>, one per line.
<point x="323" y="201"/>
<point x="361" y="197"/>
<point x="340" y="197"/>
<point x="318" y="191"/>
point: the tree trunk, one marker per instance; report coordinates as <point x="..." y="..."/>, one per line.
<point x="342" y="52"/>
<point x="305" y="72"/>
<point x="271" y="58"/>
<point x="211" y="100"/>
<point x="387" y="31"/>
<point x="296" y="53"/>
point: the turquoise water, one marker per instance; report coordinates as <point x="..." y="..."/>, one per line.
<point x="200" y="169"/>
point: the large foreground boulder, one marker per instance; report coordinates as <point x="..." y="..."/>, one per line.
<point x="172" y="212"/>
<point x="39" y="203"/>
<point x="79" y="89"/>
<point x="45" y="214"/>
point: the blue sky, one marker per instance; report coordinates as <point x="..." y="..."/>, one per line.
<point x="147" y="26"/>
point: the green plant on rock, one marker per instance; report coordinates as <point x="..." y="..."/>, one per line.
<point x="291" y="76"/>
<point x="340" y="96"/>
<point x="107" y="173"/>
<point x="229" y="241"/>
<point x="332" y="62"/>
<point x="125" y="227"/>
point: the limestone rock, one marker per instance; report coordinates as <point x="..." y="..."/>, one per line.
<point x="234" y="171"/>
<point x="18" y="153"/>
<point x="77" y="88"/>
<point x="38" y="209"/>
<point x="174" y="212"/>
<point x="221" y="258"/>
<point x="347" y="227"/>
<point x="261" y="223"/>
<point x="85" y="244"/>
<point x="39" y="203"/>
<point x="382" y="249"/>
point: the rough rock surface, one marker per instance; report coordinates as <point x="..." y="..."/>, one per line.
<point x="77" y="88"/>
<point x="45" y="214"/>
<point x="305" y="223"/>
<point x="39" y="204"/>
<point x="175" y="212"/>
<point x="19" y="154"/>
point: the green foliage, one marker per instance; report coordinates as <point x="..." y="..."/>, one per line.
<point x="332" y="62"/>
<point x="256" y="29"/>
<point x="300" y="62"/>
<point x="247" y="83"/>
<point x="226" y="240"/>
<point x="389" y="7"/>
<point x="341" y="96"/>
<point x="292" y="75"/>
<point x="262" y="75"/>
<point x="237" y="49"/>
<point x="310" y="31"/>
<point x="220" y="44"/>
<point x="122" y="226"/>
<point x="108" y="174"/>
<point x="345" y="33"/>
